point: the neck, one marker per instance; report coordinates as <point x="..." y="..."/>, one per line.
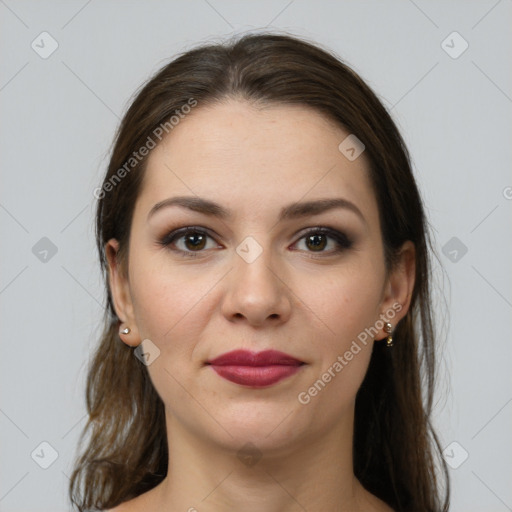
<point x="313" y="473"/>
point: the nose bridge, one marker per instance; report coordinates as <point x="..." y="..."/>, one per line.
<point x="256" y="291"/>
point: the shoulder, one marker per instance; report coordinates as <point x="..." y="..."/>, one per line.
<point x="127" y="506"/>
<point x="370" y="503"/>
<point x="140" y="503"/>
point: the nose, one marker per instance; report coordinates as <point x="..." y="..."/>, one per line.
<point x="256" y="293"/>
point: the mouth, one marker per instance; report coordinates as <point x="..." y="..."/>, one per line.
<point x="255" y="369"/>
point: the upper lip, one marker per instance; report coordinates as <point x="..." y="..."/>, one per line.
<point x="247" y="358"/>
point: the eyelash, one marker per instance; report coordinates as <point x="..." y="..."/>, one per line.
<point x="342" y="241"/>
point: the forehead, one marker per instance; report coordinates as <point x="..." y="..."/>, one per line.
<point x="255" y="159"/>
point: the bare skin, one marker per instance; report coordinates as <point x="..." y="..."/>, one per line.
<point x="305" y="299"/>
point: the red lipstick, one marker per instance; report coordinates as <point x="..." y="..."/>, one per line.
<point x="255" y="369"/>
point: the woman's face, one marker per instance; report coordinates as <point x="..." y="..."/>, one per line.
<point x="257" y="278"/>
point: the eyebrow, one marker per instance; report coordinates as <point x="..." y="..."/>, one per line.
<point x="292" y="211"/>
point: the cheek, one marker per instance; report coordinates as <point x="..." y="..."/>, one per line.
<point x="346" y="301"/>
<point x="171" y="308"/>
<point x="331" y="388"/>
<point x="166" y="297"/>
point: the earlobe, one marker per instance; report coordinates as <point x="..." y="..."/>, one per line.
<point x="121" y="296"/>
<point x="131" y="338"/>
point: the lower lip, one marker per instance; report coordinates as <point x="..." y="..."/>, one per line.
<point x="256" y="376"/>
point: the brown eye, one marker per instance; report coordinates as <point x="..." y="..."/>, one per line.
<point x="325" y="241"/>
<point x="188" y="241"/>
<point x="195" y="241"/>
<point x="316" y="242"/>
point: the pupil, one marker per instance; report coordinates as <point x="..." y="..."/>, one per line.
<point x="196" y="241"/>
<point x="315" y="242"/>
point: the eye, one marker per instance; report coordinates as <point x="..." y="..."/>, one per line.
<point x="316" y="240"/>
<point x="188" y="241"/>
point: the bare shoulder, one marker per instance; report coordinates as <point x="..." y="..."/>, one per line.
<point x="127" y="506"/>
<point x="120" y="508"/>
<point x="370" y="503"/>
<point x="380" y="506"/>
<point x="141" y="503"/>
<point x="386" y="507"/>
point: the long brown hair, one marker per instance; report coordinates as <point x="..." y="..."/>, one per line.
<point x="396" y="452"/>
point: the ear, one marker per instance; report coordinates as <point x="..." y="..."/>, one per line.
<point x="121" y="295"/>
<point x="399" y="286"/>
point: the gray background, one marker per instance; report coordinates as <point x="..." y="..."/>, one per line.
<point x="59" y="115"/>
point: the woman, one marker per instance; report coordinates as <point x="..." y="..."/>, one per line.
<point x="266" y="260"/>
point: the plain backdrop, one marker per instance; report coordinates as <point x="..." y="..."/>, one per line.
<point x="68" y="70"/>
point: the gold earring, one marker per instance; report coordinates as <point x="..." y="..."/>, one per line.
<point x="389" y="330"/>
<point x="126" y="330"/>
